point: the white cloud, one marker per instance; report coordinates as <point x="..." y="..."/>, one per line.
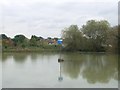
<point x="48" y="17"/>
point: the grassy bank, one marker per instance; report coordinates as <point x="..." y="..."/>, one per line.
<point x="48" y="48"/>
<point x="30" y="50"/>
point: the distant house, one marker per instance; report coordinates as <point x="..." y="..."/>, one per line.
<point x="52" y="42"/>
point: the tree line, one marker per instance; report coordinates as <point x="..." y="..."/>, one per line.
<point x="94" y="36"/>
<point x="21" y="42"/>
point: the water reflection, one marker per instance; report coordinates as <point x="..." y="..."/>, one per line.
<point x="92" y="67"/>
<point x="60" y="78"/>
<point x="0" y="69"/>
<point x="17" y="57"/>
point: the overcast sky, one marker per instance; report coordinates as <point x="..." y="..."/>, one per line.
<point x="48" y="17"/>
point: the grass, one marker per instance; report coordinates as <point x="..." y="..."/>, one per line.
<point x="47" y="48"/>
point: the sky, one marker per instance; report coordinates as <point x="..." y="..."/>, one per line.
<point x="47" y="18"/>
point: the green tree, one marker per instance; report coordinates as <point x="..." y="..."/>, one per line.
<point x="96" y="32"/>
<point x="34" y="41"/>
<point x="3" y="36"/>
<point x="112" y="39"/>
<point x="6" y="41"/>
<point x="20" y="41"/>
<point x="119" y="38"/>
<point x="72" y="38"/>
<point x="49" y="38"/>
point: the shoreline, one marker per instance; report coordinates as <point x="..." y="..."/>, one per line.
<point x="31" y="50"/>
<point x="52" y="50"/>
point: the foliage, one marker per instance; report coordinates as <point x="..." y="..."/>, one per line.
<point x="6" y="41"/>
<point x="112" y="39"/>
<point x="96" y="32"/>
<point x="94" y="36"/>
<point x="33" y="40"/>
<point x="20" y="41"/>
<point x="72" y="37"/>
<point x="3" y="36"/>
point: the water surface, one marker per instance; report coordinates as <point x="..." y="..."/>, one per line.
<point x="42" y="70"/>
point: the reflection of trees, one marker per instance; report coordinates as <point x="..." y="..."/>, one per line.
<point x="71" y="69"/>
<point x="33" y="56"/>
<point x="119" y="67"/>
<point x="5" y="56"/>
<point x="71" y="65"/>
<point x="22" y="56"/>
<point x="100" y="69"/>
<point x="94" y="68"/>
<point x="42" y="56"/>
<point x="18" y="57"/>
<point x="0" y="56"/>
<point x="36" y="57"/>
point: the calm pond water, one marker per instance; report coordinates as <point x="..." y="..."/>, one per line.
<point x="0" y="69"/>
<point x="42" y="70"/>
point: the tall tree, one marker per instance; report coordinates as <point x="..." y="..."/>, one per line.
<point x="72" y="37"/>
<point x="5" y="41"/>
<point x="112" y="39"/>
<point x="96" y="32"/>
<point x="34" y="41"/>
<point x="20" y="40"/>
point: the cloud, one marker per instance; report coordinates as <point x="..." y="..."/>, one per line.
<point x="48" y="17"/>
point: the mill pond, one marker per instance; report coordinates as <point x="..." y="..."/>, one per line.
<point x="42" y="70"/>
